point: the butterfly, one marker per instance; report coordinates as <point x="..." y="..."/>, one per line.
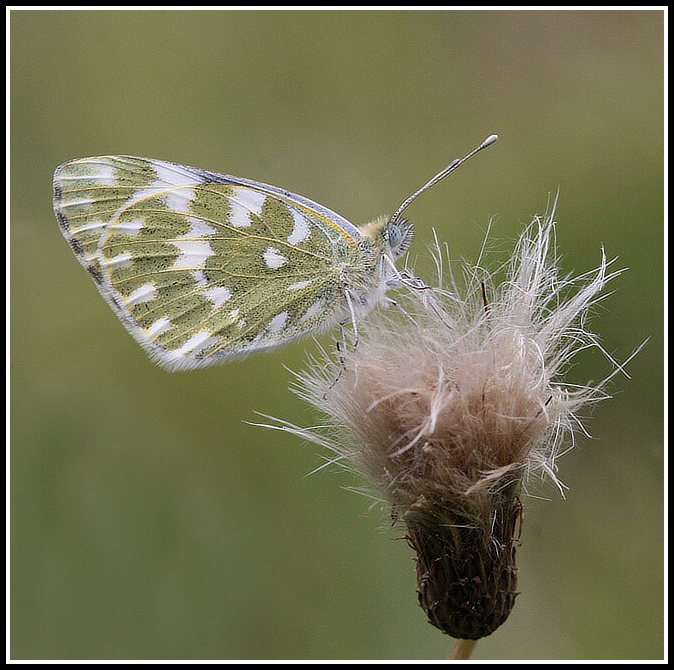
<point x="202" y="267"/>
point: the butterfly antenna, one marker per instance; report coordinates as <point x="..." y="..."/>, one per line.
<point x="441" y="175"/>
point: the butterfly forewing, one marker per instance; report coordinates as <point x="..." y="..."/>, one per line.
<point x="200" y="266"/>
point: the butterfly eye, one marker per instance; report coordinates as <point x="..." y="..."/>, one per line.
<point x="399" y="236"/>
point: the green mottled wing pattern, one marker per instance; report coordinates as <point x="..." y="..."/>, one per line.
<point x="200" y="266"/>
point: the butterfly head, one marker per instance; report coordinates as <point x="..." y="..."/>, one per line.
<point x="392" y="237"/>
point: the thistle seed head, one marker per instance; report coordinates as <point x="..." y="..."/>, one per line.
<point x="449" y="403"/>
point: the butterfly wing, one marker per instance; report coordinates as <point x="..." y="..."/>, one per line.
<point x="200" y="266"/>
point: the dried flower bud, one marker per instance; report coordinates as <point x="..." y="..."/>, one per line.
<point x="447" y="405"/>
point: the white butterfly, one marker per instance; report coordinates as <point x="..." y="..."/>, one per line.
<point x="201" y="267"/>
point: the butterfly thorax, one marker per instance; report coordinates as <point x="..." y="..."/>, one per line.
<point x="364" y="272"/>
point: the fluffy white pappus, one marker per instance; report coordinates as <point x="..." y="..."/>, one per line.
<point x="447" y="403"/>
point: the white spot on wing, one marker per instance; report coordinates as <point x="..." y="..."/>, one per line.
<point x="301" y="228"/>
<point x="106" y="175"/>
<point x="170" y="174"/>
<point x="218" y="295"/>
<point x="313" y="311"/>
<point x="129" y="227"/>
<point x="85" y="202"/>
<point x="121" y="261"/>
<point x="244" y="202"/>
<point x="91" y="227"/>
<point x="250" y="198"/>
<point x="300" y="284"/>
<point x="273" y="258"/>
<point x="143" y="293"/>
<point x="200" y="278"/>
<point x="278" y="322"/>
<point x="193" y="254"/>
<point x="158" y="327"/>
<point x="238" y="216"/>
<point x="199" y="229"/>
<point x="196" y="343"/>
<point x="179" y="199"/>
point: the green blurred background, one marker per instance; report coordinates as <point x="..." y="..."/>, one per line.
<point x="149" y="521"/>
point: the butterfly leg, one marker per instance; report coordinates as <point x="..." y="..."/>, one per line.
<point x="404" y="277"/>
<point x="343" y="347"/>
<point x="340" y="348"/>
<point x="349" y="303"/>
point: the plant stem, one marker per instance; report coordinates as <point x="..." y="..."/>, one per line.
<point x="462" y="650"/>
